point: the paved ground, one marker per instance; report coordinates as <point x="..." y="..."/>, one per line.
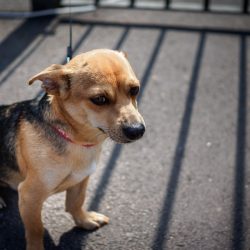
<point x="186" y="184"/>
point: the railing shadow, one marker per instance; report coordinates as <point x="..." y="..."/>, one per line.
<point x="169" y="27"/>
<point x="171" y="189"/>
<point x="12" y="46"/>
<point x="238" y="218"/>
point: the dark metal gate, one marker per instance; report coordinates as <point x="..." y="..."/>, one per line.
<point x="206" y="4"/>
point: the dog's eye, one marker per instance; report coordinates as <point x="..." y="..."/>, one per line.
<point x="134" y="91"/>
<point x="100" y="100"/>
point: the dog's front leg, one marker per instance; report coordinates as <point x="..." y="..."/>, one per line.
<point x="74" y="201"/>
<point x="31" y="198"/>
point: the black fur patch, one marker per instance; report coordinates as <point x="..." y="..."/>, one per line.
<point x="35" y="112"/>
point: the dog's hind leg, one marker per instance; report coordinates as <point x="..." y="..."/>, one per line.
<point x="2" y="203"/>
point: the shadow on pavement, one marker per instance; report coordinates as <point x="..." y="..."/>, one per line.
<point x="75" y="238"/>
<point x="149" y="26"/>
<point x="161" y="232"/>
<point x="171" y="189"/>
<point x="12" y="46"/>
<point x="240" y="155"/>
<point x="11" y="226"/>
<point x="12" y="236"/>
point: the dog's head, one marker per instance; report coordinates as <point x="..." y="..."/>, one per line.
<point x="98" y="88"/>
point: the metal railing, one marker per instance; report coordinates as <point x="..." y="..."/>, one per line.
<point x="168" y="5"/>
<point x="57" y="7"/>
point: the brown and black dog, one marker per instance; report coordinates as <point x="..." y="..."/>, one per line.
<point x="52" y="144"/>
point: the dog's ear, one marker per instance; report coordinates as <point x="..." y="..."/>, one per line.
<point x="55" y="80"/>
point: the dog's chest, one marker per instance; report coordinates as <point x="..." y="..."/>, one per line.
<point x="81" y="173"/>
<point x="77" y="165"/>
<point x="82" y="162"/>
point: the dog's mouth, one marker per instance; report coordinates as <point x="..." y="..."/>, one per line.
<point x="120" y="140"/>
<point x="122" y="136"/>
<point x="114" y="136"/>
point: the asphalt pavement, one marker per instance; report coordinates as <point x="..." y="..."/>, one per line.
<point x="186" y="184"/>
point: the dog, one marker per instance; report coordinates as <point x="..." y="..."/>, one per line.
<point x="52" y="144"/>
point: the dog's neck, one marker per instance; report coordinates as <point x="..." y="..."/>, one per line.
<point x="57" y="116"/>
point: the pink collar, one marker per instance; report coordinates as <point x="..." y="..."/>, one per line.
<point x="67" y="138"/>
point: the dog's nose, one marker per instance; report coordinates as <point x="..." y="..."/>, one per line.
<point x="133" y="131"/>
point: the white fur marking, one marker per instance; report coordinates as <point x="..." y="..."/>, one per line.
<point x="79" y="175"/>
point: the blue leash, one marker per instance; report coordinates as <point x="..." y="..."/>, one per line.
<point x="69" y="48"/>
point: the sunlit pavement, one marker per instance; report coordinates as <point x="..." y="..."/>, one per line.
<point x="185" y="185"/>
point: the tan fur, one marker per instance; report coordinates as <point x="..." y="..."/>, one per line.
<point x="43" y="171"/>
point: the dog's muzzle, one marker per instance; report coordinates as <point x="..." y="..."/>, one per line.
<point x="133" y="131"/>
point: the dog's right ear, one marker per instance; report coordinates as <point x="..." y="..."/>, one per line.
<point x="55" y="80"/>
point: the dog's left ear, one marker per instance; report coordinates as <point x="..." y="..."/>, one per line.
<point x="55" y="80"/>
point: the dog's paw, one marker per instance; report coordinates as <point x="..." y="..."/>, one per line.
<point x="92" y="221"/>
<point x="2" y="203"/>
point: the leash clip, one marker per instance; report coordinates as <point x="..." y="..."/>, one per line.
<point x="69" y="54"/>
